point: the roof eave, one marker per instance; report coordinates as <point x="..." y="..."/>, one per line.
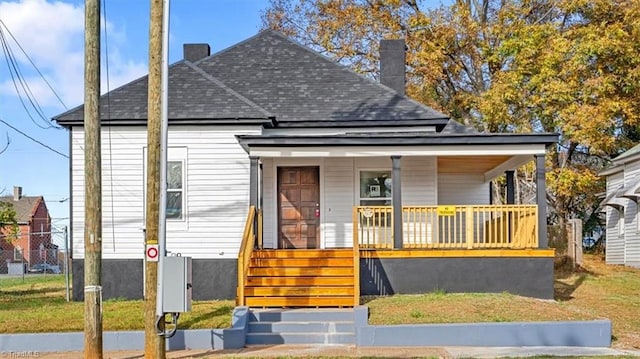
<point x="268" y="122"/>
<point x="248" y="141"/>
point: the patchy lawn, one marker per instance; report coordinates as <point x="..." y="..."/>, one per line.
<point x="595" y="291"/>
<point x="38" y="304"/>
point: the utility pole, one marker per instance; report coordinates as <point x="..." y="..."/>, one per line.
<point x="154" y="346"/>
<point x="93" y="189"/>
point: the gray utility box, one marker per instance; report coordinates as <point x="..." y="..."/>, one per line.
<point x="176" y="293"/>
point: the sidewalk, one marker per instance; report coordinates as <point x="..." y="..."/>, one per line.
<point x="352" y="351"/>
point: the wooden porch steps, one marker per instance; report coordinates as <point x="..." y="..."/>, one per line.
<point x="300" y="278"/>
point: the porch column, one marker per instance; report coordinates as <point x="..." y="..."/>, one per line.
<point x="396" y="201"/>
<point x="253" y="181"/>
<point x="541" y="199"/>
<point x="511" y="198"/>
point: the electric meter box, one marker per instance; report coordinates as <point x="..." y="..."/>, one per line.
<point x="177" y="288"/>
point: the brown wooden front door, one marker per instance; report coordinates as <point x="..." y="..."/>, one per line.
<point x="298" y="207"/>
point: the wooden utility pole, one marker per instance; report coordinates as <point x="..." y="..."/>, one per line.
<point x="92" y="189"/>
<point x="154" y="346"/>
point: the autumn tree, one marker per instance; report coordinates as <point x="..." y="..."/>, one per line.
<point x="563" y="66"/>
<point x="8" y="223"/>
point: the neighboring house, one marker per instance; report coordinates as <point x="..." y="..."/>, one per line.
<point x="32" y="243"/>
<point x="329" y="158"/>
<point x="621" y="208"/>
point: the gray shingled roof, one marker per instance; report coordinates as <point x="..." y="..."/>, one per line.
<point x="24" y="207"/>
<point x="193" y="94"/>
<point x="300" y="85"/>
<point x="266" y="76"/>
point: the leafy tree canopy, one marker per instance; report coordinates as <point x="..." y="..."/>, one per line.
<point x="8" y="223"/>
<point x="564" y="66"/>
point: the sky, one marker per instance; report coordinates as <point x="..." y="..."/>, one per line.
<point x="52" y="34"/>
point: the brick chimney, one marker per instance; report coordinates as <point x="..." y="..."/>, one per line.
<point x="392" y="64"/>
<point x="195" y="52"/>
<point x="17" y="193"/>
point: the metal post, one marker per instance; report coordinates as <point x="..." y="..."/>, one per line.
<point x="541" y="199"/>
<point x="66" y="263"/>
<point x="396" y="201"/>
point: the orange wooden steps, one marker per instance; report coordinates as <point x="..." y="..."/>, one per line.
<point x="300" y="278"/>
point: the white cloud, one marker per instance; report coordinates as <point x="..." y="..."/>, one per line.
<point x="52" y="33"/>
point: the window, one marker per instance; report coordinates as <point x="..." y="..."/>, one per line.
<point x="175" y="192"/>
<point x="176" y="209"/>
<point x="375" y="188"/>
<point x="17" y="253"/>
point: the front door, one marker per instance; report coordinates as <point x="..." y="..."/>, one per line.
<point x="298" y="207"/>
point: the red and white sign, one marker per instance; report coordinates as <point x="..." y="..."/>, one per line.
<point x="152" y="252"/>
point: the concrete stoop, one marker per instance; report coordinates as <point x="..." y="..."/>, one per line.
<point x="301" y="326"/>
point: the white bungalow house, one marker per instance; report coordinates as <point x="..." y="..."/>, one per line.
<point x="295" y="181"/>
<point x="621" y="208"/>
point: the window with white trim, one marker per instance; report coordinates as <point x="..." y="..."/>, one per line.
<point x="175" y="189"/>
<point x="17" y="253"/>
<point x="176" y="183"/>
<point x="375" y="188"/>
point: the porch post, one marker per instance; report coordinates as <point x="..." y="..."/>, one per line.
<point x="511" y="198"/>
<point x="253" y="181"/>
<point x="253" y="193"/>
<point x="396" y="201"/>
<point x="541" y="199"/>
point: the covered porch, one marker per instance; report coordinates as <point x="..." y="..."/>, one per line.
<point x="414" y="212"/>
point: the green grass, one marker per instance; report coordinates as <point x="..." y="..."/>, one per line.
<point x="38" y="304"/>
<point x="596" y="291"/>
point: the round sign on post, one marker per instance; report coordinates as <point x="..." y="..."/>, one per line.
<point x="152" y="253"/>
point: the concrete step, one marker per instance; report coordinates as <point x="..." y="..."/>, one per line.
<point x="300" y="315"/>
<point x="300" y="338"/>
<point x="302" y="327"/>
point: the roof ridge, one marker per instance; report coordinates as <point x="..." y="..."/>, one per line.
<point x="349" y="69"/>
<point x="227" y="88"/>
<point x="229" y="48"/>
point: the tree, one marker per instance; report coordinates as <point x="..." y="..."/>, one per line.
<point x="563" y="66"/>
<point x="8" y="223"/>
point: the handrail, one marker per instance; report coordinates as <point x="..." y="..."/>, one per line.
<point x="449" y="227"/>
<point x="356" y="262"/>
<point x="244" y="255"/>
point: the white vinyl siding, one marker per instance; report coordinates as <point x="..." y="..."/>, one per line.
<point x="615" y="243"/>
<point x="216" y="188"/>
<point x="632" y="232"/>
<point x="462" y="189"/>
<point x="339" y="185"/>
<point x="338" y="202"/>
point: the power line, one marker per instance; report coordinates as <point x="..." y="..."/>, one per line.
<point x="14" y="71"/>
<point x="33" y="139"/>
<point x="33" y="64"/>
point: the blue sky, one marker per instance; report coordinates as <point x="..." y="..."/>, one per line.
<point x="51" y="32"/>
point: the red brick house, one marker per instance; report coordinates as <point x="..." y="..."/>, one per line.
<point x="32" y="243"/>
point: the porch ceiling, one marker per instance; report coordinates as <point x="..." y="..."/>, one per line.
<point x="469" y="164"/>
<point x="491" y="166"/>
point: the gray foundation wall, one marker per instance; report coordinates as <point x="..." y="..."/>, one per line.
<point x="532" y="277"/>
<point x="124" y="278"/>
